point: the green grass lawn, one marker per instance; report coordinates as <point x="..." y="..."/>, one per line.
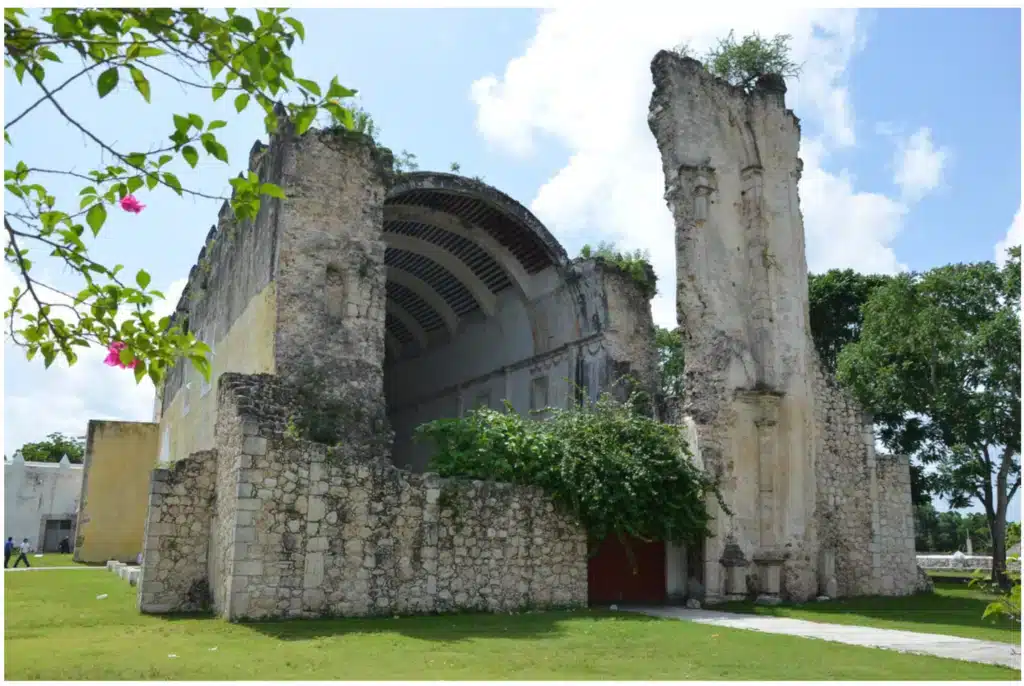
<point x="56" y="628"/>
<point x="953" y="610"/>
<point x="47" y="560"/>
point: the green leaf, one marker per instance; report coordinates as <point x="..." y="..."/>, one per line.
<point x="142" y="278"/>
<point x="216" y="124"/>
<point x="311" y="86"/>
<point x="241" y="102"/>
<point x="272" y="190"/>
<point x="304" y="118"/>
<point x="150" y="51"/>
<point x="95" y="218"/>
<point x="107" y="81"/>
<point x="172" y="181"/>
<point x="241" y="23"/>
<point x="141" y="83"/>
<point x="181" y="123"/>
<point x="219" y="89"/>
<point x="191" y="155"/>
<point x="214" y="148"/>
<point x="297" y="25"/>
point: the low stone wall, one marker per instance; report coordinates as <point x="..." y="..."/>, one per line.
<point x="962" y="562"/>
<point x="302" y="529"/>
<point x="174" y="559"/>
<point x="864" y="508"/>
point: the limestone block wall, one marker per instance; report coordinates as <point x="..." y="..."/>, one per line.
<point x="301" y="529"/>
<point x="864" y="509"/>
<point x="896" y="571"/>
<point x="174" y="561"/>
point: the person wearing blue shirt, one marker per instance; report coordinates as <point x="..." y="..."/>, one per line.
<point x="8" y="550"/>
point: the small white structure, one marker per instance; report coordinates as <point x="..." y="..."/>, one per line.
<point x="41" y="501"/>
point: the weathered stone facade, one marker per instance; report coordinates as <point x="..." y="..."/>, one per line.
<point x="813" y="510"/>
<point x="314" y="530"/>
<point x="368" y="304"/>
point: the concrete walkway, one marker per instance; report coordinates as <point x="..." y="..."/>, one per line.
<point x="955" y="647"/>
<point x="48" y="569"/>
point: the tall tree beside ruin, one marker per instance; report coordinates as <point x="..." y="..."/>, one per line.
<point x="210" y="52"/>
<point x="938" y="362"/>
<point x="836" y="301"/>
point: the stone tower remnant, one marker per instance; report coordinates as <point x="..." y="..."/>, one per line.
<point x="812" y="510"/>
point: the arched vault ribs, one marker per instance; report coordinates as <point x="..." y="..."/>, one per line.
<point x="425" y="291"/>
<point x="447" y="222"/>
<point x="408" y="321"/>
<point x="485" y="299"/>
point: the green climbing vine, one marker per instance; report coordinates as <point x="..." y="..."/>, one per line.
<point x="616" y="470"/>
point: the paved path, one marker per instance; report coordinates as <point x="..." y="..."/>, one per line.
<point x="954" y="647"/>
<point x="48" y="569"/>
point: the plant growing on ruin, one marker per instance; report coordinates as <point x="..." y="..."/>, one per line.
<point x="243" y="57"/>
<point x="938" y="363"/>
<point x="618" y="471"/>
<point x="636" y="265"/>
<point x="743" y="63"/>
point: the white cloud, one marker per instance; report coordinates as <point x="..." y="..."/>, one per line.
<point x="584" y="79"/>
<point x="919" y="165"/>
<point x="1014" y="237"/>
<point x="64" y="398"/>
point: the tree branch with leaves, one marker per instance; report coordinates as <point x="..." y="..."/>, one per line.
<point x="247" y="57"/>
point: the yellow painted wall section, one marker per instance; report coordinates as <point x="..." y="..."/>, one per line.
<point x="119" y="462"/>
<point x="247" y="348"/>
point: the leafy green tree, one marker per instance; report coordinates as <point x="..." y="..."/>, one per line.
<point x="836" y="301"/>
<point x="56" y="446"/>
<point x="743" y="63"/>
<point x="211" y="53"/>
<point x="670" y="360"/>
<point x="938" y="363"/>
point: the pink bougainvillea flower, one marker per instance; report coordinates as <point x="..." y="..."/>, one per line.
<point x="130" y="203"/>
<point x="113" y="358"/>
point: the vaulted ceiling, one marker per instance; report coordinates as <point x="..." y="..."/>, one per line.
<point x="454" y="244"/>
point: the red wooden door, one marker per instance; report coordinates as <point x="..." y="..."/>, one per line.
<point x="611" y="577"/>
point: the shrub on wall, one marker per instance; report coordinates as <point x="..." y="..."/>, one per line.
<point x="634" y="264"/>
<point x="619" y="472"/>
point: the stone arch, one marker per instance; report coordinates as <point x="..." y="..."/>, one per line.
<point x="460" y="244"/>
<point x="478" y="290"/>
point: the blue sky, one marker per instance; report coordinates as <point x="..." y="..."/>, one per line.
<point x="911" y="147"/>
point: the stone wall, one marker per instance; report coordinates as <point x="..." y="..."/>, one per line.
<point x="812" y="508"/>
<point x="303" y="529"/>
<point x="174" y="570"/>
<point x="864" y="509"/>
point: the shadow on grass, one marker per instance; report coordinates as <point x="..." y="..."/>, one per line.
<point x="922" y="608"/>
<point x="443" y="628"/>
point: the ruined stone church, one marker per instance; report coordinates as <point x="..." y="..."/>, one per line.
<point x="421" y="295"/>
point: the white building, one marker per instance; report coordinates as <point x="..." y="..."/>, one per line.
<point x="41" y="501"/>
